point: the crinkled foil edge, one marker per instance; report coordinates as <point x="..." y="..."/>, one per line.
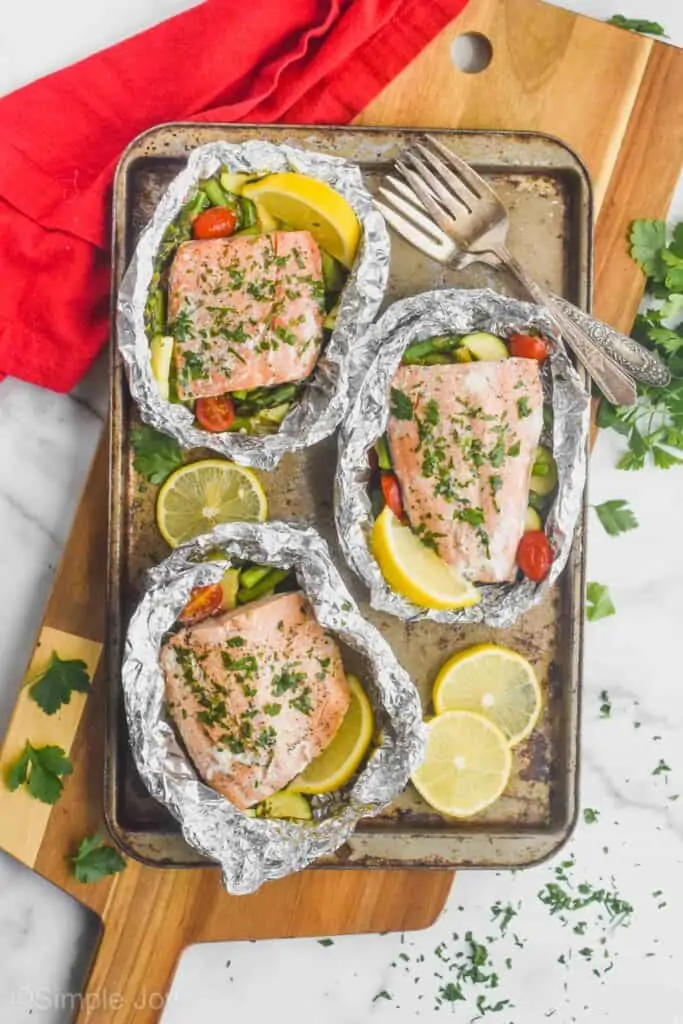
<point x="418" y="318"/>
<point x="249" y="850"/>
<point x="325" y="399"/>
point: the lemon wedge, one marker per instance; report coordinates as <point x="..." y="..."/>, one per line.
<point x="160" y="354"/>
<point x="200" y="495"/>
<point x="414" y="570"/>
<point x="307" y="204"/>
<point x="284" y="804"/>
<point x="466" y="766"/>
<point x="495" y="682"/>
<point x="341" y="758"/>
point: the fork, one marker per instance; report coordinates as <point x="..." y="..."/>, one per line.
<point x="468" y="212"/>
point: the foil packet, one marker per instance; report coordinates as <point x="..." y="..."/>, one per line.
<point x="323" y="403"/>
<point x="249" y="850"/>
<point x="462" y="312"/>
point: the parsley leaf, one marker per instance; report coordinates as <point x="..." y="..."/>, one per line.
<point x="156" y="455"/>
<point x="650" y="28"/>
<point x="648" y="238"/>
<point x="60" y="679"/>
<point x="590" y="815"/>
<point x="616" y="517"/>
<point x="599" y="603"/>
<point x="96" y="860"/>
<point x="40" y="769"/>
<point x="654" y="426"/>
<point x="606" y="705"/>
<point x="326" y="942"/>
<point x="401" y="406"/>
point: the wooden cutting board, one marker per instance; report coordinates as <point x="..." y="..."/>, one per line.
<point x="614" y="97"/>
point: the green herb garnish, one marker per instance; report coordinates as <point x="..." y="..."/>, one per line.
<point x="41" y="770"/>
<point x="60" y="679"/>
<point x="599" y="603"/>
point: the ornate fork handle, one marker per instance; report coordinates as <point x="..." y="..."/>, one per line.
<point x="633" y="357"/>
<point x="615" y="385"/>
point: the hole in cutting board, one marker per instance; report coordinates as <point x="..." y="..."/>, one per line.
<point x="471" y="52"/>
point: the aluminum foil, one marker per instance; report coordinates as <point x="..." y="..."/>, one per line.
<point x="249" y="850"/>
<point x="426" y="316"/>
<point x="325" y="399"/>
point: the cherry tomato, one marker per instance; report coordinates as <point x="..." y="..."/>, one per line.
<point x="392" y="494"/>
<point x="204" y="601"/>
<point x="525" y="346"/>
<point x="218" y="222"/>
<point x="534" y="555"/>
<point x="215" y="414"/>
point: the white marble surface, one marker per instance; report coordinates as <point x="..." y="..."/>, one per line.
<point x="46" y="442"/>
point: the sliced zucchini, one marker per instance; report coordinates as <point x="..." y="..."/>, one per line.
<point x="383" y="456"/>
<point x="463" y="355"/>
<point x="543" y="472"/>
<point x="283" y="805"/>
<point x="334" y="274"/>
<point x="274" y="415"/>
<point x="230" y="584"/>
<point x="233" y="182"/>
<point x="532" y="520"/>
<point x="266" y="221"/>
<point x="160" y="355"/>
<point x="330" y="321"/>
<point x="486" y="348"/>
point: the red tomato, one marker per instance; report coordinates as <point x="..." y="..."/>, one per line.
<point x="218" y="222"/>
<point x="215" y="414"/>
<point x="204" y="601"/>
<point x="525" y="346"/>
<point x="534" y="555"/>
<point x="392" y="494"/>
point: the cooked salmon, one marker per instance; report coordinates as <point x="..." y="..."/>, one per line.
<point x="256" y="694"/>
<point x="245" y="312"/>
<point x="462" y="439"/>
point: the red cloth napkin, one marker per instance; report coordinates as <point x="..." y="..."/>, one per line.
<point x="296" y="61"/>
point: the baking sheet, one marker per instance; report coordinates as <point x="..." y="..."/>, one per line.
<point x="547" y="191"/>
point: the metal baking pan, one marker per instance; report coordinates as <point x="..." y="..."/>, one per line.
<point x="547" y="191"/>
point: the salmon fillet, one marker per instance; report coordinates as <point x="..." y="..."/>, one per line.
<point x="462" y="439"/>
<point x="256" y="694"/>
<point x="245" y="312"/>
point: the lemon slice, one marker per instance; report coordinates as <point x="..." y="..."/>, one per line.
<point x="284" y="804"/>
<point x="494" y="681"/>
<point x="414" y="570"/>
<point x="307" y="204"/>
<point x="200" y="495"/>
<point x="466" y="766"/>
<point x="160" y="353"/>
<point x="338" y="761"/>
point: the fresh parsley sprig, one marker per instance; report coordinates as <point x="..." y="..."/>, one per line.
<point x="41" y="770"/>
<point x="649" y="28"/>
<point x="95" y="860"/>
<point x="616" y="516"/>
<point x="598" y="602"/>
<point x="653" y="427"/>
<point x="156" y="455"/>
<point x="62" y="677"/>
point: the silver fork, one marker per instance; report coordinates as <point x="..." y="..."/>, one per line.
<point x="473" y="225"/>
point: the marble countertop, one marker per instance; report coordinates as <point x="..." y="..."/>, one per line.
<point x="583" y="965"/>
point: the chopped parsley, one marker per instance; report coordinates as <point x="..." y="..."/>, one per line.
<point x="303" y="702"/>
<point x="401" y="406"/>
<point x="286" y="680"/>
<point x="523" y="409"/>
<point x="272" y="709"/>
